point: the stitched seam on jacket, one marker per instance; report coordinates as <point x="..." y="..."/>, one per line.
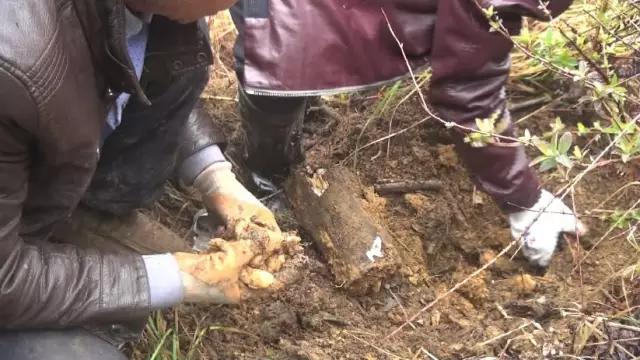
<point x="61" y="5"/>
<point x="50" y="56"/>
<point x="49" y="70"/>
<point x="22" y="79"/>
<point x="58" y="70"/>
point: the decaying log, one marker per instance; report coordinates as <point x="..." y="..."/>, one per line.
<point x="330" y="206"/>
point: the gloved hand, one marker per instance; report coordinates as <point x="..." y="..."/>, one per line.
<point x="244" y="215"/>
<point x="540" y="227"/>
<point x="223" y="276"/>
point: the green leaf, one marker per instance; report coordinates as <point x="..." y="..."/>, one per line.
<point x="577" y="153"/>
<point x="490" y="11"/>
<point x="565" y="143"/>
<point x="543" y="146"/>
<point x="486" y="125"/>
<point x="564" y="161"/>
<point x="548" y="164"/>
<point x="526" y="137"/>
<point x="582" y="130"/>
<point x="558" y="125"/>
<point x="538" y="160"/>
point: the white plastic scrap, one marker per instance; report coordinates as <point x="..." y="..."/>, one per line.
<point x="376" y="249"/>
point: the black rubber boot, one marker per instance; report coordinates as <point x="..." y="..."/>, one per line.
<point x="56" y="345"/>
<point x="273" y="129"/>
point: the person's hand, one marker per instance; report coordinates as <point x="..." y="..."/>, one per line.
<point x="183" y="11"/>
<point x="244" y="216"/>
<point x="539" y="228"/>
<point x="223" y="276"/>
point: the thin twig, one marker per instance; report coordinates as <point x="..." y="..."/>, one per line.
<point x="431" y="356"/>
<point x="452" y="289"/>
<point x="373" y="346"/>
<point x="385" y="138"/>
<point x="538" y="110"/>
<point x="448" y="124"/>
<point x="404" y="311"/>
<point x="272" y="195"/>
<point x="408" y="186"/>
<point x="611" y="228"/>
<point x="223" y="98"/>
<point x="594" y="65"/>
<point x="612" y="33"/>
<point x="393" y="115"/>
<point x="625" y="327"/>
<point x="503" y="335"/>
<point x="514" y="107"/>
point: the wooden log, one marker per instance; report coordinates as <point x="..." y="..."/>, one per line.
<point x="331" y="208"/>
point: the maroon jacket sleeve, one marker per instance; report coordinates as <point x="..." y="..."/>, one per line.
<point x="470" y="69"/>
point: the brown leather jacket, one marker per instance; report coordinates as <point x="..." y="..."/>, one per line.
<point x="294" y="48"/>
<point x="61" y="62"/>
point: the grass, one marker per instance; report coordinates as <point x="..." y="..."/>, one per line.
<point x="178" y="334"/>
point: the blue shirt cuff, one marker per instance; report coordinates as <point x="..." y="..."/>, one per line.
<point x="192" y="166"/>
<point x="165" y="283"/>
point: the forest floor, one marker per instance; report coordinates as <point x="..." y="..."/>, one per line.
<point x="583" y="306"/>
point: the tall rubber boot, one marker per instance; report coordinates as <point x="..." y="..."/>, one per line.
<point x="273" y="136"/>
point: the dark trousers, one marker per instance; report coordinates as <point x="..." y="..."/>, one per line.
<point x="56" y="345"/>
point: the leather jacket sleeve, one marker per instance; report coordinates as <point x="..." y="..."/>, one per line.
<point x="470" y="69"/>
<point x="200" y="134"/>
<point x="200" y="130"/>
<point x="45" y="285"/>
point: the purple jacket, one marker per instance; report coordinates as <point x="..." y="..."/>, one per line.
<point x="299" y="48"/>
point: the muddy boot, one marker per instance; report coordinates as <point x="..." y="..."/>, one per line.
<point x="135" y="231"/>
<point x="273" y="136"/>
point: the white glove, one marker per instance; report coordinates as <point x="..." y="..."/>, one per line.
<point x="225" y="196"/>
<point x="539" y="228"/>
<point x="244" y="216"/>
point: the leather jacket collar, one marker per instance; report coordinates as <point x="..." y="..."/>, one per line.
<point x="119" y="64"/>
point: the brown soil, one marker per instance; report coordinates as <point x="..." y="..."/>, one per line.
<point x="442" y="237"/>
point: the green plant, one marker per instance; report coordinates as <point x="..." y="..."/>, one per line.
<point x="555" y="150"/>
<point x="551" y="45"/>
<point x="487" y="128"/>
<point x="624" y="219"/>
